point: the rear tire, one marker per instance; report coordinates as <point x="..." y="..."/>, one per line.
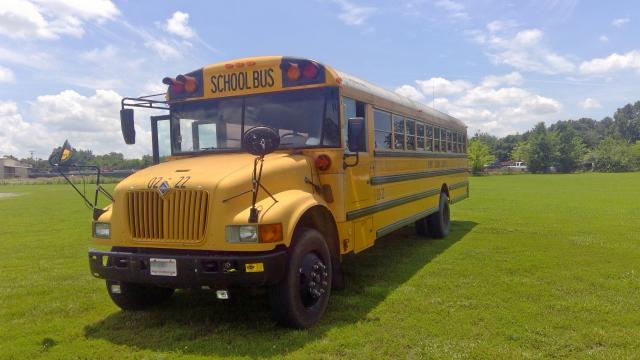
<point x="299" y="301"/>
<point x="137" y="296"/>
<point x="439" y="223"/>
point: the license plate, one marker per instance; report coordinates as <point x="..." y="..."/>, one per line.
<point x="163" y="267"/>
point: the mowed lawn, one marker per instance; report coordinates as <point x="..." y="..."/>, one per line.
<point x="536" y="266"/>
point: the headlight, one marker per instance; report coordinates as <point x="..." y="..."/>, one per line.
<point x="242" y="233"/>
<point x="102" y="230"/>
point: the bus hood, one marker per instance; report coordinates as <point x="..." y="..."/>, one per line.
<point x="207" y="172"/>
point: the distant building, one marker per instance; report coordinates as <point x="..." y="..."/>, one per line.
<point x="11" y="169"/>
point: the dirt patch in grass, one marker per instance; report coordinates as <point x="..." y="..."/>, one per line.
<point x="4" y="195"/>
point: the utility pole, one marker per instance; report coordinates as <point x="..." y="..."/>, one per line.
<point x="31" y="152"/>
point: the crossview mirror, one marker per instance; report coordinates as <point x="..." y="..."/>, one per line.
<point x="127" y="125"/>
<point x="356" y="138"/>
<point x="260" y="140"/>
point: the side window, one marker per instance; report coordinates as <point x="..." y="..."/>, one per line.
<point x="464" y="143"/>
<point x="398" y="132"/>
<point x="352" y="108"/>
<point x="449" y="142"/>
<point x="436" y="139"/>
<point x="455" y="141"/>
<point x="411" y="134"/>
<point x="429" y="140"/>
<point x="420" y="135"/>
<point x="382" y="125"/>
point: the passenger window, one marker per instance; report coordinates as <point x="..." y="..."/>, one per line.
<point x="352" y="108"/>
<point x="420" y="136"/>
<point x="411" y="134"/>
<point x="449" y="142"/>
<point x="382" y="125"/>
<point x="436" y="139"/>
<point x="398" y="132"/>
<point x="429" y="145"/>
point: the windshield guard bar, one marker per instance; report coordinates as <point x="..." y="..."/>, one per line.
<point x="99" y="189"/>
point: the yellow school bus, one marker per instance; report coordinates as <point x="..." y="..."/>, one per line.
<point x="267" y="170"/>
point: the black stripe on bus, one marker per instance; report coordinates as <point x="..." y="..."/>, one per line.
<point x="402" y="153"/>
<point x="391" y="203"/>
<point x="458" y="185"/>
<point x="376" y="180"/>
<point x="404" y="222"/>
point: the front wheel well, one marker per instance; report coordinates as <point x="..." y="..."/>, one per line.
<point x="320" y="218"/>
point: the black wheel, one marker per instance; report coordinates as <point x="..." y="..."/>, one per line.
<point x="438" y="223"/>
<point x="130" y="296"/>
<point x="302" y="296"/>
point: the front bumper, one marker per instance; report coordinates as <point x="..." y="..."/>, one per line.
<point x="194" y="269"/>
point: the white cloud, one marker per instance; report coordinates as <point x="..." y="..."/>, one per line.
<point x="178" y="24"/>
<point x="6" y="75"/>
<point x="410" y="92"/>
<point x="354" y="15"/>
<point x="48" y="19"/>
<point x="620" y="22"/>
<point x="612" y="63"/>
<point x="494" y="105"/>
<point x="442" y="86"/>
<point x="589" y="104"/>
<point x="524" y="50"/>
<point x="603" y="38"/>
<point x="455" y="10"/>
<point x="89" y="122"/>
<point x="164" y="49"/>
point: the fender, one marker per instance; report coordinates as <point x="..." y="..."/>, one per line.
<point x="291" y="205"/>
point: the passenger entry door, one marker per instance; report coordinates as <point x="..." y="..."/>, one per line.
<point x="357" y="178"/>
<point x="161" y="137"/>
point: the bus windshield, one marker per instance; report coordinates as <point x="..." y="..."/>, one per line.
<point x="303" y="118"/>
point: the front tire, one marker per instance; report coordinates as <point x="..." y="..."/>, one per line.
<point x="300" y="299"/>
<point x="130" y="296"/>
<point x="439" y="223"/>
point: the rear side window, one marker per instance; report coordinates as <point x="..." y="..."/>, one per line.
<point x="398" y="132"/>
<point x="420" y="136"/>
<point x="411" y="134"/>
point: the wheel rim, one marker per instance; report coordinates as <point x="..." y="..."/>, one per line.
<point x="313" y="280"/>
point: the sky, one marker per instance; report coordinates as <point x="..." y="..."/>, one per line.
<point x="500" y="66"/>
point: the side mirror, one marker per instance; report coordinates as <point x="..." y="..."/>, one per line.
<point x="356" y="141"/>
<point x="128" y="128"/>
<point x="260" y="140"/>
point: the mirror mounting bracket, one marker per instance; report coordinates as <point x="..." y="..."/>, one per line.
<point x="344" y="160"/>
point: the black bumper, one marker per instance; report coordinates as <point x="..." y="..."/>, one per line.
<point x="193" y="270"/>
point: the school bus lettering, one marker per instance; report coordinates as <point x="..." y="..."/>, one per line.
<point x="245" y="80"/>
<point x="265" y="172"/>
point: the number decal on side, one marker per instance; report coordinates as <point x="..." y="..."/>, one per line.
<point x="181" y="184"/>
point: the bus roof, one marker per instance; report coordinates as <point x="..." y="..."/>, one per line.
<point x="260" y="74"/>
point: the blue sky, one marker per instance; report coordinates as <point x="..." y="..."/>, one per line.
<point x="500" y="66"/>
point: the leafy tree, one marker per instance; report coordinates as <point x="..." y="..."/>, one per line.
<point x="542" y="149"/>
<point x="570" y="148"/>
<point x="521" y="152"/>
<point x="504" y="146"/>
<point x="627" y="122"/>
<point x="615" y="155"/>
<point x="479" y="155"/>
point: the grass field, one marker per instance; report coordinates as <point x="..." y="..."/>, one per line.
<point x="536" y="266"/>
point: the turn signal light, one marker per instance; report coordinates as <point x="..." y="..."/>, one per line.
<point x="175" y="86"/>
<point x="190" y="83"/>
<point x="270" y="233"/>
<point x="323" y="162"/>
<point x="293" y="73"/>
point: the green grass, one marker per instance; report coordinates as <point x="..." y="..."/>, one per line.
<point x="536" y="266"/>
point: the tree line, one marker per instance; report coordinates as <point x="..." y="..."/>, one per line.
<point x="110" y="161"/>
<point x="607" y="145"/>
